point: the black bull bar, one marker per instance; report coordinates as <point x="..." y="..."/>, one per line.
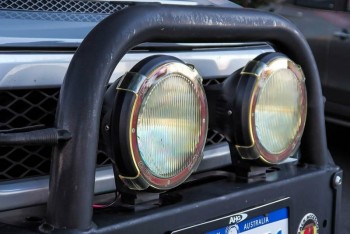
<point x="73" y="167"/>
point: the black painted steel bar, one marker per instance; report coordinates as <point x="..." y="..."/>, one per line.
<point x="73" y="166"/>
<point x="47" y="136"/>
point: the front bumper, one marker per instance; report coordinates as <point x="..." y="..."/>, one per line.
<point x="301" y="190"/>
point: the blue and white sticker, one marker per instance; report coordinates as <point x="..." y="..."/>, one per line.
<point x="275" y="222"/>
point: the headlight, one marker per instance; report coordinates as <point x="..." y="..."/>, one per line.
<point x="159" y="124"/>
<point x="273" y="108"/>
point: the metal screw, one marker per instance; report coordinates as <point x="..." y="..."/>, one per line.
<point x="229" y="112"/>
<point x="106" y="128"/>
<point x="338" y="181"/>
<point x="46" y="228"/>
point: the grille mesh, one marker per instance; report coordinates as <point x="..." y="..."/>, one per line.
<point x="213" y="81"/>
<point x="23" y="108"/>
<point x="72" y="6"/>
<point x="19" y="162"/>
<point x="50" y="16"/>
<point x="214" y="137"/>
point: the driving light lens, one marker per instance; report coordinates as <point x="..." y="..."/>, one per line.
<point x="277" y="109"/>
<point x="164" y="117"/>
<point x="169" y="125"/>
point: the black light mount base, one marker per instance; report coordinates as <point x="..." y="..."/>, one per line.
<point x="249" y="173"/>
<point x="140" y="200"/>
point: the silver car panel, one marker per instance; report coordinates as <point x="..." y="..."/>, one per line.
<point x="40" y="70"/>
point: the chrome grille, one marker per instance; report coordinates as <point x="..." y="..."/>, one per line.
<point x="101" y="7"/>
<point x="23" y="108"/>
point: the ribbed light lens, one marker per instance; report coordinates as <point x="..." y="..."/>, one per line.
<point x="278" y="111"/>
<point x="274" y="122"/>
<point x="169" y="125"/>
<point x="163" y="120"/>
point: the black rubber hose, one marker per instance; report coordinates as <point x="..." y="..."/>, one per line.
<point x="73" y="165"/>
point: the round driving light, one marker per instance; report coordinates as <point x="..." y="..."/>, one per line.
<point x="274" y="120"/>
<point x="162" y="121"/>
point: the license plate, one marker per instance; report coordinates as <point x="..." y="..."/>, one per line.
<point x="275" y="222"/>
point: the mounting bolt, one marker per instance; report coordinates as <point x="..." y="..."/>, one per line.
<point x="337" y="181"/>
<point x="107" y="128"/>
<point x="46" y="228"/>
<point x="229" y="112"/>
